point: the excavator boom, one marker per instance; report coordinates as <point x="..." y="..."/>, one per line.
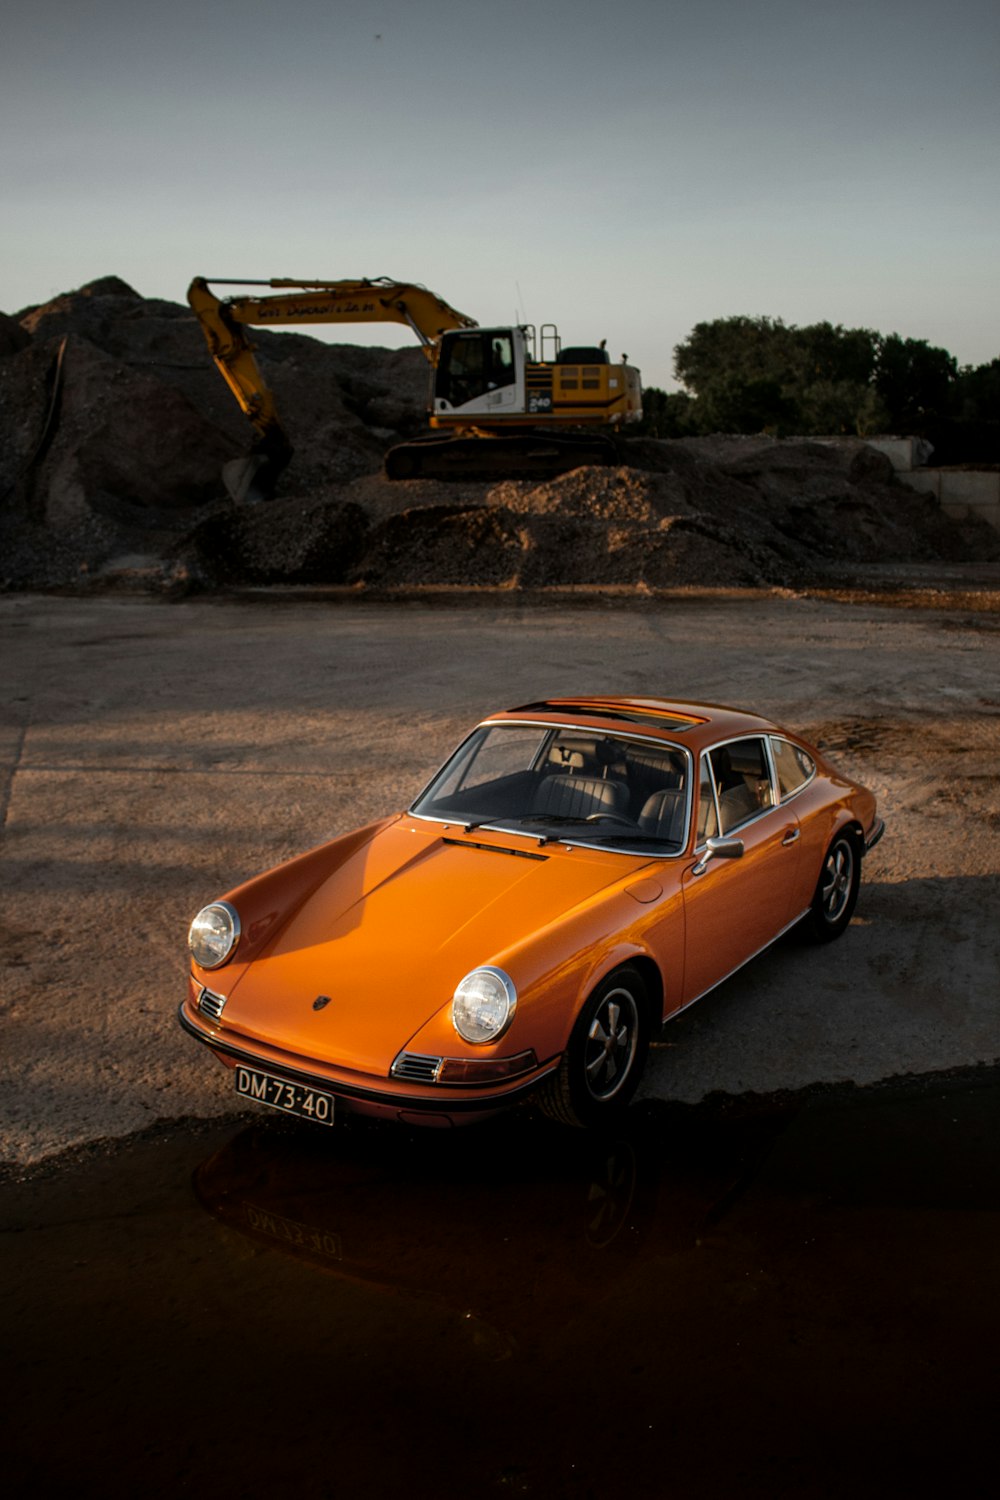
<point x="379" y="301"/>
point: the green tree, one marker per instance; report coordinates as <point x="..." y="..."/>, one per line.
<point x="830" y="354"/>
<point x="753" y="374"/>
<point x="760" y="374"/>
<point x="666" y="414"/>
<point x="746" y="403"/>
<point x="977" y="392"/>
<point x="747" y="349"/>
<point x="971" y="433"/>
<point x="872" y="416"/>
<point x="916" y="382"/>
<point x="839" y="406"/>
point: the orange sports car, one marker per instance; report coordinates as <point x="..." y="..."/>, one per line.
<point x="578" y="872"/>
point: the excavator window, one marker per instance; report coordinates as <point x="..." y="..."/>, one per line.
<point x="473" y="363"/>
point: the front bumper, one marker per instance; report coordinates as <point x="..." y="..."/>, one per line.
<point x="382" y="1098"/>
<point x="874" y="834"/>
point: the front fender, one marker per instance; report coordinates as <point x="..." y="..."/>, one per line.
<point x="267" y="902"/>
<point x="555" y="971"/>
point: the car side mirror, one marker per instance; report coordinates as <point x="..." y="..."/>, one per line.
<point x="718" y="848"/>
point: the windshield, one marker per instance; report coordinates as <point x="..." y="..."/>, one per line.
<point x="572" y="785"/>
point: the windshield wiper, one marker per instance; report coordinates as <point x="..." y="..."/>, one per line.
<point x="516" y="818"/>
<point x="627" y="838"/>
<point x="596" y="835"/>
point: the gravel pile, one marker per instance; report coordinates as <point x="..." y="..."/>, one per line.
<point x="115" y="426"/>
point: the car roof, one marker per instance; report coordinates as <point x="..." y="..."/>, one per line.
<point x="696" y="724"/>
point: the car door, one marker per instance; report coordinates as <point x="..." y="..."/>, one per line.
<point x="734" y="907"/>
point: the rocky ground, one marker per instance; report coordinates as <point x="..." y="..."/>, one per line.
<point x="114" y="426"/>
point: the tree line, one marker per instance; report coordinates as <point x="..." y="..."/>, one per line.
<point x="751" y="375"/>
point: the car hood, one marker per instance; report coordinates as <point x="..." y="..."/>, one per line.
<point x="389" y="934"/>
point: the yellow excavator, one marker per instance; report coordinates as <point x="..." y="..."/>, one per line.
<point x="504" y="402"/>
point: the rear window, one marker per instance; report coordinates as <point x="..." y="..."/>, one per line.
<point x="794" y="766"/>
<point x="742" y="781"/>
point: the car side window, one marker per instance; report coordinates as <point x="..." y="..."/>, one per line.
<point x="793" y="766"/>
<point x="742" y="781"/>
<point x="708" y="816"/>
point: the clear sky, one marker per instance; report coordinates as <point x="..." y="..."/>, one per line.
<point x="624" y="168"/>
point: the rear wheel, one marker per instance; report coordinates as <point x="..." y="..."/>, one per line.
<point x="836" y="890"/>
<point x="603" y="1063"/>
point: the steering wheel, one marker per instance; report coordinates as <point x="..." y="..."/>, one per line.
<point x="609" y="817"/>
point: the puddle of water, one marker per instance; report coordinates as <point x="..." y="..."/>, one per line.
<point x="777" y="1301"/>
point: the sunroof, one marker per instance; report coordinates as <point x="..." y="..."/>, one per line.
<point x="649" y="718"/>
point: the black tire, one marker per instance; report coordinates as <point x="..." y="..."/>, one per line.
<point x="836" y="890"/>
<point x="602" y="1065"/>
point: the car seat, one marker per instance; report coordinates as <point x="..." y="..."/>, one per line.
<point x="579" y="796"/>
<point x="663" y="815"/>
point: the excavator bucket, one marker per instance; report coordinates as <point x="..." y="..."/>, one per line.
<point x="252" y="479"/>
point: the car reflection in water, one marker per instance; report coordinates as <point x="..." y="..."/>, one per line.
<point x="516" y="1227"/>
<point x="881" y="1202"/>
<point x="811" y="1276"/>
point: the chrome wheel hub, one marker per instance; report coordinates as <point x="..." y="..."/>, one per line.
<point x="611" y="1044"/>
<point x="838" y="874"/>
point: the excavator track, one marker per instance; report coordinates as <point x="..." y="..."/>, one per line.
<point x="522" y="455"/>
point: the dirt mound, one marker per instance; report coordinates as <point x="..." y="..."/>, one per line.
<point x="301" y="540"/>
<point x="784" y="518"/>
<point x="13" y="338"/>
<point x="98" y="459"/>
<point x="115" y="425"/>
<point x="602" y="527"/>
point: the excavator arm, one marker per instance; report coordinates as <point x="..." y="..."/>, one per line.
<point x="224" y="322"/>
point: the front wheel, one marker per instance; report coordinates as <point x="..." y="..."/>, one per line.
<point x="603" y="1063"/>
<point x="836" y="890"/>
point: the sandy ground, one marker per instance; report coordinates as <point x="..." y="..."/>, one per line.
<point x="154" y="755"/>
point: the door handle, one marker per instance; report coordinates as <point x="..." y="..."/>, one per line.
<point x="791" y="837"/>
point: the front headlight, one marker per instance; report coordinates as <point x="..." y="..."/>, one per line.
<point x="214" y="934"/>
<point x="483" y="1005"/>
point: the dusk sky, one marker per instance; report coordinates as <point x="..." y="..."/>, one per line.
<point x="622" y="169"/>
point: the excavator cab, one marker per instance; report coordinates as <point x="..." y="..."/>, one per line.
<point x="480" y="372"/>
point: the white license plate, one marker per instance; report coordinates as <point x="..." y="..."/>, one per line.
<point x="278" y="1093"/>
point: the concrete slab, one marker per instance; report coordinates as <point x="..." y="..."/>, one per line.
<point x="927" y="481"/>
<point x="970" y="486"/>
<point x="904" y="453"/>
<point x="963" y="493"/>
